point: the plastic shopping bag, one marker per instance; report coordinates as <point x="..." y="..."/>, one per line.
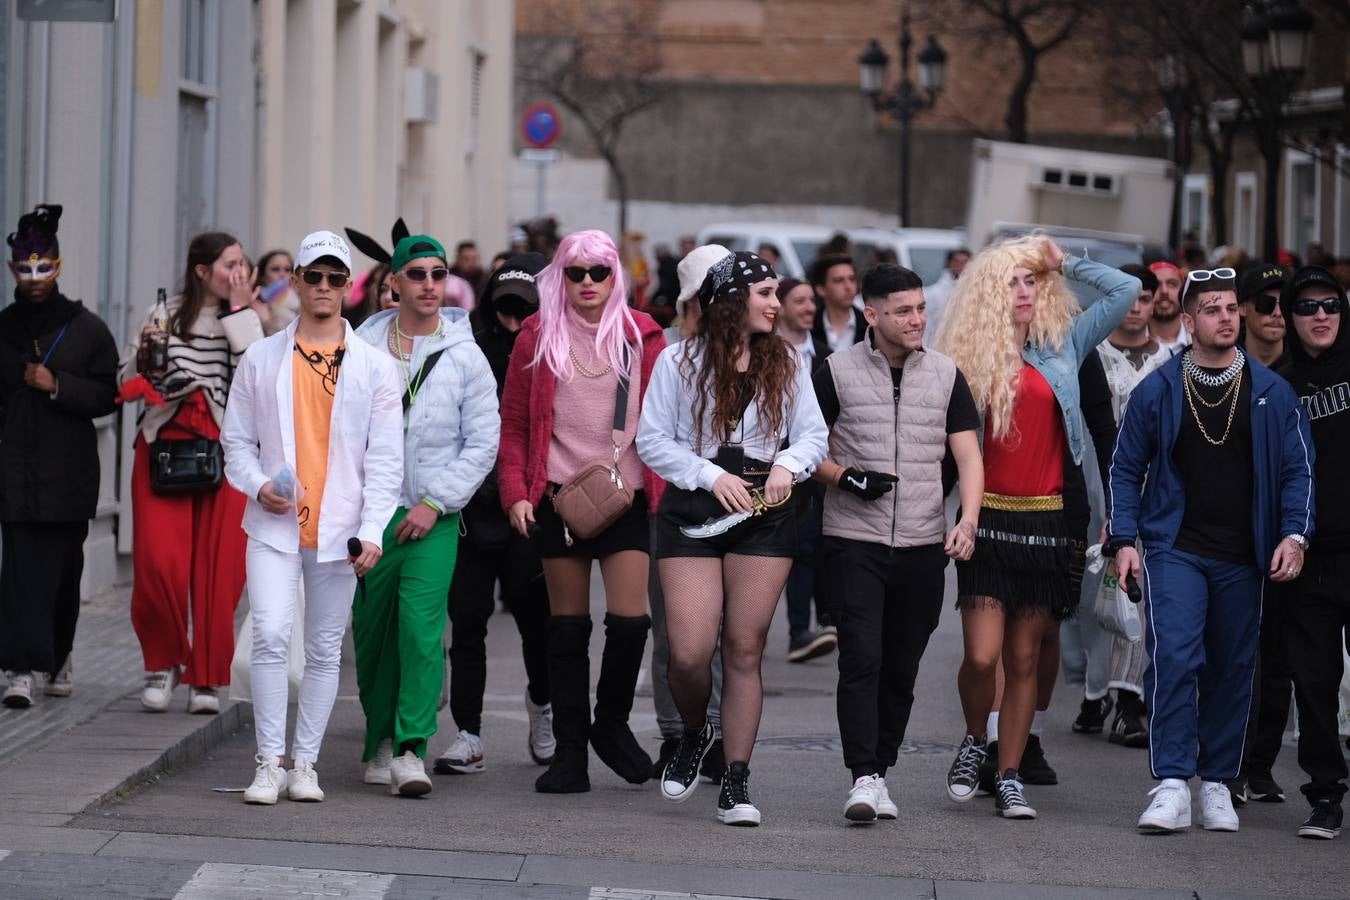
<point x="1113" y="608"/>
<point x="241" y="685"/>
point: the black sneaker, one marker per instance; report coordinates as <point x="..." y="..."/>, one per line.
<point x="1009" y="801"/>
<point x="1130" y="726"/>
<point x="1035" y="769"/>
<point x="1324" y="823"/>
<point x="1263" y="789"/>
<point x="714" y="764"/>
<point x="667" y="753"/>
<point x="681" y="775"/>
<point x="1092" y="715"/>
<point x="989" y="771"/>
<point x="810" y="644"/>
<point x="1237" y="790"/>
<point x="963" y="777"/>
<point x="733" y="804"/>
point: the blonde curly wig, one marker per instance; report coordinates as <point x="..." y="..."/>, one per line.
<point x="977" y="328"/>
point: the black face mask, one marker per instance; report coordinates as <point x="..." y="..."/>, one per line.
<point x="514" y="305"/>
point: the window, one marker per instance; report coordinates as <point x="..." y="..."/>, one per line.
<point x="1195" y="208"/>
<point x="196" y="25"/>
<point x="477" y="60"/>
<point x="1244" y="212"/>
<point x="1302" y="201"/>
<point x="1342" y="176"/>
<point x="196" y="177"/>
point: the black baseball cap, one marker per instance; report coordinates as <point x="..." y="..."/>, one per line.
<point x="1261" y="278"/>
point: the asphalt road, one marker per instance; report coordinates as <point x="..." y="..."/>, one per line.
<point x="1085" y="835"/>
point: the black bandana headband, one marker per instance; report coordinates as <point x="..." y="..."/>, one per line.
<point x="735" y="271"/>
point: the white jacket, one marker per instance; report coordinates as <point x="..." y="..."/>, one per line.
<point x="365" y="451"/>
<point x="452" y="430"/>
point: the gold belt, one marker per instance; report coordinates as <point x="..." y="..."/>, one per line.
<point x="1008" y="503"/>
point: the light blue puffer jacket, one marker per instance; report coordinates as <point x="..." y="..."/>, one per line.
<point x="452" y="429"/>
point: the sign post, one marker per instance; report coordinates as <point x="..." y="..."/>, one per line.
<point x="540" y="127"/>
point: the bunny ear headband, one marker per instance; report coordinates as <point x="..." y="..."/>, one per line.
<point x="371" y="247"/>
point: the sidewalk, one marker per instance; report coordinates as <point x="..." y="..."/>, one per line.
<point x="99" y="731"/>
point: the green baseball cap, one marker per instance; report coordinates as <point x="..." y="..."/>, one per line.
<point x="416" y="246"/>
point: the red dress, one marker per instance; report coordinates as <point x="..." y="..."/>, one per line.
<point x="1029" y="460"/>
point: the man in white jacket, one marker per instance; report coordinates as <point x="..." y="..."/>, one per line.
<point x="312" y="437"/>
<point x="450" y="433"/>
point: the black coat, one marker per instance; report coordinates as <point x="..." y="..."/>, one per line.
<point x="49" y="467"/>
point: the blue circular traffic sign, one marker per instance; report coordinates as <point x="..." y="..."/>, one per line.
<point x="540" y="125"/>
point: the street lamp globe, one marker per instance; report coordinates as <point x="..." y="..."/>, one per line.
<point x="1290" y="28"/>
<point x="872" y="69"/>
<point x="1169" y="72"/>
<point x="1255" y="41"/>
<point x="932" y="66"/>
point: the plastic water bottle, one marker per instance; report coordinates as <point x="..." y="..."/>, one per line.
<point x="287" y="484"/>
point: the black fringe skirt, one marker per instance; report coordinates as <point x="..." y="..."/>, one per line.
<point x="1022" y="562"/>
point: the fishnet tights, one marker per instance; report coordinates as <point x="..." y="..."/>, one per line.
<point x="737" y="594"/>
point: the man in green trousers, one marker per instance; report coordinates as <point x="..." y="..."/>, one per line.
<point x="451" y="427"/>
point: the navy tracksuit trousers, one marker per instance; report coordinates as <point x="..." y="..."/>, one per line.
<point x="1204" y="620"/>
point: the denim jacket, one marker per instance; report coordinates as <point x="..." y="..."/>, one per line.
<point x="1116" y="292"/>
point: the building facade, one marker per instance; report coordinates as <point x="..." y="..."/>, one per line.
<point x="264" y="118"/>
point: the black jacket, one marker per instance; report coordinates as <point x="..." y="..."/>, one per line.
<point x="1323" y="386"/>
<point x="49" y="468"/>
<point x="859" y="325"/>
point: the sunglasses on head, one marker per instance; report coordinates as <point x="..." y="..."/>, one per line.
<point x="1308" y="307"/>
<point x="577" y="274"/>
<point x="419" y="274"/>
<point x="336" y="280"/>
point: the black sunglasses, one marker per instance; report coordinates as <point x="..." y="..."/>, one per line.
<point x="1265" y="304"/>
<point x="419" y="274"/>
<point x="1329" y="305"/>
<point x="336" y="280"/>
<point x="577" y="274"/>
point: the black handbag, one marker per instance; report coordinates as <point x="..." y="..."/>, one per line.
<point x="186" y="465"/>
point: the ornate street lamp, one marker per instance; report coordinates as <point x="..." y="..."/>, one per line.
<point x="907" y="101"/>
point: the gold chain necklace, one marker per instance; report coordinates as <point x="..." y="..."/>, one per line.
<point x="396" y="336"/>
<point x="1223" y="398"/>
<point x="1189" y="391"/>
<point x="587" y="373"/>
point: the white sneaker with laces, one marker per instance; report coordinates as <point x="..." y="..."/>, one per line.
<point x="861" y="805"/>
<point x="203" y="701"/>
<point x="463" y="757"/>
<point x="886" y="808"/>
<point x="59" y="685"/>
<point x="542" y="743"/>
<point x="1170" y="810"/>
<point x="158" y="689"/>
<point x="377" y="770"/>
<point x="269" y="780"/>
<point x="302" y="783"/>
<point x="1216" y="807"/>
<point x="19" y="694"/>
<point x="408" y="776"/>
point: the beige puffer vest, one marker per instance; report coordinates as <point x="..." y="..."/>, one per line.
<point x="908" y="437"/>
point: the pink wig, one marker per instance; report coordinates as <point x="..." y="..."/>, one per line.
<point x="617" y="325"/>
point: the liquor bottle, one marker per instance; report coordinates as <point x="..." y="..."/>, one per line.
<point x="155" y="347"/>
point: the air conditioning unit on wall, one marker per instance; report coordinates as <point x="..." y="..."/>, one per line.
<point x="421" y="96"/>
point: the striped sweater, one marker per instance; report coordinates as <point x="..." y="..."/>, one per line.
<point x="203" y="362"/>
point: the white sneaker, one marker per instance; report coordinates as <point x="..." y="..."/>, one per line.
<point x="377" y="770"/>
<point x="59" y="685"/>
<point x="1170" y="810"/>
<point x="19" y="694"/>
<point x="408" y="776"/>
<point x="158" y="689"/>
<point x="886" y="808"/>
<point x="861" y="805"/>
<point x="542" y="743"/>
<point x="463" y="757"/>
<point x="1216" y="807"/>
<point x="302" y="783"/>
<point x="203" y="701"/>
<point x="269" y="780"/>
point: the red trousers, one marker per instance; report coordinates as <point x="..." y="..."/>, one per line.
<point x="188" y="554"/>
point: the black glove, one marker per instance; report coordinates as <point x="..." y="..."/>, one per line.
<point x="867" y="486"/>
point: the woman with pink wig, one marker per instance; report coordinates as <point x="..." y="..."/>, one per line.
<point x="558" y="416"/>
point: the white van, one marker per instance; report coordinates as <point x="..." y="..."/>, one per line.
<point x="923" y="250"/>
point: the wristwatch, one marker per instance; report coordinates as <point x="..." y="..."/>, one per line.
<point x="1299" y="539"/>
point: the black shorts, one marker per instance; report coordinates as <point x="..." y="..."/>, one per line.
<point x="630" y="532"/>
<point x="773" y="533"/>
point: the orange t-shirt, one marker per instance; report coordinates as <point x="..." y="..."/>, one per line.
<point x="314" y="374"/>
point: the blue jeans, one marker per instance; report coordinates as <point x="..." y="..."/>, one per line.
<point x="1204" y="619"/>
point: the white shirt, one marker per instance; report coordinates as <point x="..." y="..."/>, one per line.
<point x="935" y="298"/>
<point x="667" y="434"/>
<point x="807" y="351"/>
<point x="845" y="338"/>
<point x="1174" y="347"/>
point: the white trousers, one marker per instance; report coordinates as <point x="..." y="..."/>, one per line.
<point x="273" y="579"/>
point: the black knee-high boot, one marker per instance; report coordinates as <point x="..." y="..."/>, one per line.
<point x="569" y="675"/>
<point x="625" y="642"/>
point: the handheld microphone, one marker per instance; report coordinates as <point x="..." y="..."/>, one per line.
<point x="1132" y="591"/>
<point x="354" y="548"/>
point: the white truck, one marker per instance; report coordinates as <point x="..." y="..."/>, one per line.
<point x="1101" y="198"/>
